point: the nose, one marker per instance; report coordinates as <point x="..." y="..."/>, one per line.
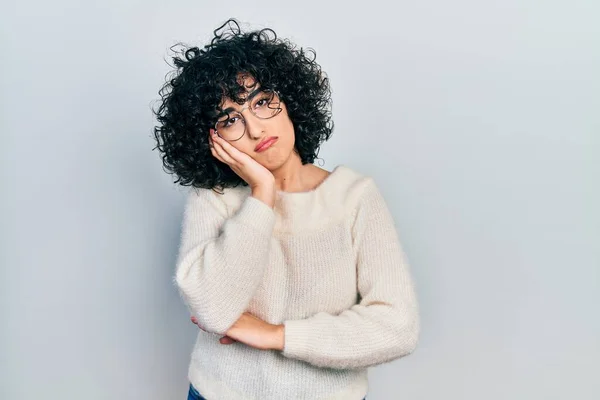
<point x="254" y="126"/>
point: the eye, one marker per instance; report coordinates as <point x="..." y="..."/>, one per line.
<point x="231" y="121"/>
<point x="264" y="99"/>
<point x="225" y="123"/>
<point x="262" y="102"/>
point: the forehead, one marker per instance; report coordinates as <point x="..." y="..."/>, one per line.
<point x="251" y="88"/>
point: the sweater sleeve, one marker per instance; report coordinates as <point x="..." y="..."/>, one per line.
<point x="385" y="324"/>
<point x="222" y="259"/>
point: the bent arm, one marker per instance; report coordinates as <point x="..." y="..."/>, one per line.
<point x="385" y="324"/>
<point x="222" y="259"/>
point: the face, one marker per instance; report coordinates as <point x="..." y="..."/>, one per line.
<point x="259" y="129"/>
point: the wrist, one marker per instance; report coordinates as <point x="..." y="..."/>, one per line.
<point x="278" y="337"/>
<point x="266" y="194"/>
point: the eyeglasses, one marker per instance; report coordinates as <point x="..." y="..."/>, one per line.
<point x="231" y="125"/>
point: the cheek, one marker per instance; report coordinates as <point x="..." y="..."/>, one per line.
<point x="286" y="127"/>
<point x="243" y="147"/>
<point x="286" y="134"/>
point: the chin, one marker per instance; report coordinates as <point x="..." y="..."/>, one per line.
<point x="274" y="164"/>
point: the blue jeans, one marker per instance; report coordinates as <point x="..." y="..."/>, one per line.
<point x="194" y="395"/>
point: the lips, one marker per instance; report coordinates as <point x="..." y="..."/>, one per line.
<point x="265" y="144"/>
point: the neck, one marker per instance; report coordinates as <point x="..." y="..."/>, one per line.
<point x="292" y="176"/>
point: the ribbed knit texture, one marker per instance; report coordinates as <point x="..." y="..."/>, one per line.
<point x="326" y="263"/>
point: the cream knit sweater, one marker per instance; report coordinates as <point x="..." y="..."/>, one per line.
<point x="327" y="263"/>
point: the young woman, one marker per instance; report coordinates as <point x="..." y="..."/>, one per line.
<point x="294" y="274"/>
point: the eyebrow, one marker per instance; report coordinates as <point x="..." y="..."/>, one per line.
<point x="249" y="97"/>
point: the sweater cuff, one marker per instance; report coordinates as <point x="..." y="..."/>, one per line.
<point x="296" y="342"/>
<point x="257" y="215"/>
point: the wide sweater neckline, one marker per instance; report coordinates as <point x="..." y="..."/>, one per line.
<point x="320" y="188"/>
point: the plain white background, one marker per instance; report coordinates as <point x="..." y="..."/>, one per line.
<point x="479" y="120"/>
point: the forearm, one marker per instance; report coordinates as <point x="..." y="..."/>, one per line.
<point x="217" y="277"/>
<point x="357" y="338"/>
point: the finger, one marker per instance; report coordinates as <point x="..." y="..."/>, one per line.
<point x="224" y="155"/>
<point x="210" y="138"/>
<point x="195" y="321"/>
<point x="230" y="150"/>
<point x="214" y="151"/>
<point x="221" y="155"/>
<point x="215" y="154"/>
<point x="226" y="340"/>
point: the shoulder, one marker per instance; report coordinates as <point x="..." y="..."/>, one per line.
<point x="350" y="187"/>
<point x="211" y="201"/>
<point x="364" y="204"/>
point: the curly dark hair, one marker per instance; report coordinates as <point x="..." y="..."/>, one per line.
<point x="203" y="77"/>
